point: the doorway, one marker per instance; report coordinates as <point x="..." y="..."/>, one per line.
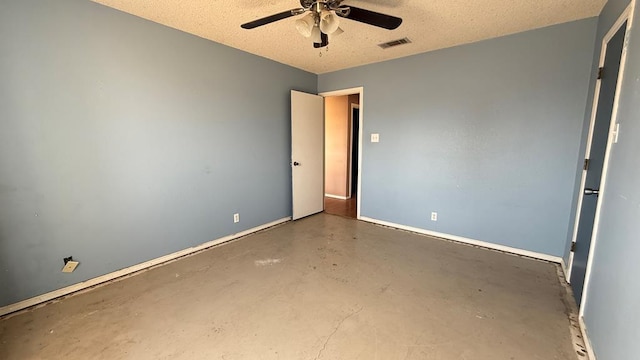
<point x="601" y="136"/>
<point x="342" y="149"/>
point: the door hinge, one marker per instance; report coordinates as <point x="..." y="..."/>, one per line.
<point x="600" y="72"/>
<point x="573" y="247"/>
<point x="586" y="164"/>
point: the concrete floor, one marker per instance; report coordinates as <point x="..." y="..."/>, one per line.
<point x="324" y="287"/>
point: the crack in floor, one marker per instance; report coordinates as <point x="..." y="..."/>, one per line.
<point x="335" y="330"/>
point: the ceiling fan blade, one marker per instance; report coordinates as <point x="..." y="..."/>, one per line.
<point x="324" y="41"/>
<point x="272" y="18"/>
<point x="372" y="18"/>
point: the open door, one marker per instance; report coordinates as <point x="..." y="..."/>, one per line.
<point x="307" y="153"/>
<point x="596" y="159"/>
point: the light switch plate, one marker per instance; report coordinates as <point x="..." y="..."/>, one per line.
<point x="70" y="266"/>
<point x="375" y="138"/>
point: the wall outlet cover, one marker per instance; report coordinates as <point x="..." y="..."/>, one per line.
<point x="70" y="266"/>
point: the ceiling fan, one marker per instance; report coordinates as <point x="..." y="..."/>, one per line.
<point x="322" y="19"/>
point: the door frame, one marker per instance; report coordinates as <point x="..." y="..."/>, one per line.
<point x="351" y="107"/>
<point x="352" y="91"/>
<point x="627" y="15"/>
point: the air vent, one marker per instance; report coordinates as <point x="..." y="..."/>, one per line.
<point x="393" y="43"/>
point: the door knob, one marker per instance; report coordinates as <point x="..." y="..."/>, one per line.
<point x="295" y="163"/>
<point x="588" y="191"/>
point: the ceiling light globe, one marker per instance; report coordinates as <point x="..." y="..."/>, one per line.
<point x="305" y="24"/>
<point x="328" y="22"/>
<point x="316" y="37"/>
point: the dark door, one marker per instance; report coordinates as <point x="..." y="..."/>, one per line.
<point x="355" y="123"/>
<point x="608" y="82"/>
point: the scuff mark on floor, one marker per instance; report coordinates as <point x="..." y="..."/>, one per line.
<point x="267" y="262"/>
<point x="91" y="313"/>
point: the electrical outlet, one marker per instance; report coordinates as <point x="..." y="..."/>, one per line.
<point x="434" y="216"/>
<point x="70" y="266"/>
<point x="375" y="138"/>
<point x="236" y="218"/>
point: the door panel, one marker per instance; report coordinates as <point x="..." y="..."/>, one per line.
<point x="599" y="141"/>
<point x="307" y="153"/>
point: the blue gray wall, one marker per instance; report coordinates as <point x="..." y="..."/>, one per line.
<point x="122" y="140"/>
<point x="612" y="299"/>
<point x="486" y="134"/>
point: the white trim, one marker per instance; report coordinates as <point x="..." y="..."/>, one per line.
<point x="585" y="337"/>
<point x="360" y="147"/>
<point x="587" y="154"/>
<point x="131" y="269"/>
<point x="352" y="91"/>
<point x="565" y="270"/>
<point x="508" y="249"/>
<point x="625" y="16"/>
<point x="335" y="196"/>
<point x="349" y="91"/>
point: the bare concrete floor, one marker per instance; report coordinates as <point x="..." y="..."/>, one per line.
<point x="324" y="287"/>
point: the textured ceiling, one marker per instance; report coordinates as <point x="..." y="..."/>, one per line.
<point x="429" y="24"/>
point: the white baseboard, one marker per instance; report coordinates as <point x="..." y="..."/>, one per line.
<point x="565" y="270"/>
<point x="508" y="249"/>
<point x="336" y="196"/>
<point x="131" y="269"/>
<point x="587" y="342"/>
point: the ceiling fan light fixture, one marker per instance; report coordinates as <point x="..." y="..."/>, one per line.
<point x="305" y="25"/>
<point x="316" y="37"/>
<point x="328" y="22"/>
<point x="322" y="20"/>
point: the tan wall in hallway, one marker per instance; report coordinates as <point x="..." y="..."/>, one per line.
<point x="336" y="145"/>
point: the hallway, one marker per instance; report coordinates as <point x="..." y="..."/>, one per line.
<point x="346" y="208"/>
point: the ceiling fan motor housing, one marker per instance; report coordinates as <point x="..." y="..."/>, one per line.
<point x="318" y="6"/>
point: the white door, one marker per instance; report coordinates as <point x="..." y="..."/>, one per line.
<point x="307" y="153"/>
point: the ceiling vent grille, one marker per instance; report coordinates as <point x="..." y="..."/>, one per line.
<point x="393" y="43"/>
